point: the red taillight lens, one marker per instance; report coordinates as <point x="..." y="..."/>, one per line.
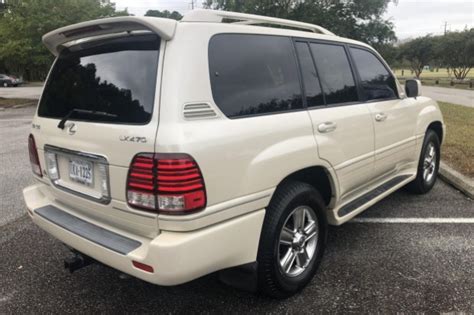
<point x="169" y="183"/>
<point x="34" y="160"/>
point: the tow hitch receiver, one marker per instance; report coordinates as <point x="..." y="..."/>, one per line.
<point x="77" y="261"/>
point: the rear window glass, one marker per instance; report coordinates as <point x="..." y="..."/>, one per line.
<point x="335" y="73"/>
<point x="312" y="87"/>
<point x="253" y="74"/>
<point x="116" y="77"/>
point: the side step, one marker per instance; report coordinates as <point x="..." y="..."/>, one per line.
<point x="374" y="193"/>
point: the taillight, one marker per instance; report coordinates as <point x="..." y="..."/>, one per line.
<point x="168" y="183"/>
<point x="34" y="160"/>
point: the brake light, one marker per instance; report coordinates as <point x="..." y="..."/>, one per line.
<point x="168" y="183"/>
<point x="34" y="160"/>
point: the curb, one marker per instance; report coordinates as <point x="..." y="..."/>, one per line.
<point x="461" y="182"/>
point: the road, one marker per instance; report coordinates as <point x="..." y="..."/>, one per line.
<point x="30" y="92"/>
<point x="385" y="266"/>
<point x="455" y="96"/>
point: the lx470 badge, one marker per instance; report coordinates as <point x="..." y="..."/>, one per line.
<point x="133" y="139"/>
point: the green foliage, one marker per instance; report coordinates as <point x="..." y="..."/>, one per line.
<point x="164" y="14"/>
<point x="356" y="19"/>
<point x="418" y="53"/>
<point x="24" y="22"/>
<point x="455" y="50"/>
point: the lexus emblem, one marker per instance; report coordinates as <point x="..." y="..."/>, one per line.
<point x="72" y="129"/>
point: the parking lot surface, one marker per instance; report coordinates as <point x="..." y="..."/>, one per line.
<point x="405" y="254"/>
<point x="450" y="95"/>
<point x="33" y="92"/>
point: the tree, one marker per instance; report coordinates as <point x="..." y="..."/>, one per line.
<point x="390" y="53"/>
<point x="164" y="14"/>
<point x="24" y="22"/>
<point x="360" y="20"/>
<point x="418" y="52"/>
<point x="455" y="50"/>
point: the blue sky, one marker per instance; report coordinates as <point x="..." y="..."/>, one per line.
<point x="412" y="18"/>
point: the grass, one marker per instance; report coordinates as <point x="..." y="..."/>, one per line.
<point x="458" y="147"/>
<point x="430" y="77"/>
<point x="9" y="102"/>
<point x="442" y="73"/>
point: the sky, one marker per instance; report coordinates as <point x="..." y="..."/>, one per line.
<point x="412" y="18"/>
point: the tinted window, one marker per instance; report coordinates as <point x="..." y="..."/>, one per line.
<point x="314" y="96"/>
<point x="253" y="74"/>
<point x="335" y="73"/>
<point x="116" y="77"/>
<point x="377" y="82"/>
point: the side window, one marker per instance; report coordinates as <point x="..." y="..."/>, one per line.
<point x="335" y="73"/>
<point x="377" y="82"/>
<point x="314" y="95"/>
<point x="253" y="74"/>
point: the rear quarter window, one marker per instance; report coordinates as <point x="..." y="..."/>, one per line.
<point x="253" y="74"/>
<point x="116" y="76"/>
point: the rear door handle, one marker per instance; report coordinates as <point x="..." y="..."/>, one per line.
<point x="380" y="117"/>
<point x="327" y="127"/>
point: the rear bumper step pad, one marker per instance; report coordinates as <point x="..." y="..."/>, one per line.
<point x="89" y="231"/>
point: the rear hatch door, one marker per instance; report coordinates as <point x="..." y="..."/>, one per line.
<point x="98" y="109"/>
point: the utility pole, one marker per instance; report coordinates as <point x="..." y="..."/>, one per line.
<point x="192" y="4"/>
<point x="445" y="26"/>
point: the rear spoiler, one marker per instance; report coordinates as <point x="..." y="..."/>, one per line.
<point x="54" y="40"/>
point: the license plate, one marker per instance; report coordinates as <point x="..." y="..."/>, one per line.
<point x="81" y="171"/>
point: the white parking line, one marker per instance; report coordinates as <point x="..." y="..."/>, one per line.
<point x="414" y="220"/>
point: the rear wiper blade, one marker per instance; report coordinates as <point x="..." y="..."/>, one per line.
<point x="62" y="123"/>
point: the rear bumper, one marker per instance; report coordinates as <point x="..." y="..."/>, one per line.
<point x="176" y="257"/>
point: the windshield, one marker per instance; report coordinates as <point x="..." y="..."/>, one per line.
<point x="116" y="76"/>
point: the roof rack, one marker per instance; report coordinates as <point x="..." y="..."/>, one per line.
<point x="203" y="15"/>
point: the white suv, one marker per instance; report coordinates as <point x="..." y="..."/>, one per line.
<point x="169" y="150"/>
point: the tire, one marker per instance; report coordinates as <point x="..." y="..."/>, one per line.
<point x="428" y="165"/>
<point x="5" y="84"/>
<point x="292" y="199"/>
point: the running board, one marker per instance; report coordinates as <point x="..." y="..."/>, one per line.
<point x="374" y="193"/>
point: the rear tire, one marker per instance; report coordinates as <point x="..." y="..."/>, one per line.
<point x="292" y="241"/>
<point x="428" y="165"/>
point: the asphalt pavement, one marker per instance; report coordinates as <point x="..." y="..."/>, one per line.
<point x="30" y="92"/>
<point x="450" y="95"/>
<point x="405" y="254"/>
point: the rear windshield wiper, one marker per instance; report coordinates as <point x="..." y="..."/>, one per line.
<point x="62" y="123"/>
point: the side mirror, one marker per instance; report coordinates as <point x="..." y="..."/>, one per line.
<point x="413" y="88"/>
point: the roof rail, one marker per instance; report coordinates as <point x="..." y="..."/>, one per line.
<point x="216" y="16"/>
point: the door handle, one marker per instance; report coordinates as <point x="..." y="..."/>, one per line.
<point x="380" y="117"/>
<point x="327" y="127"/>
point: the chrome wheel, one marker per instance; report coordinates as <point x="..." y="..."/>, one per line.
<point x="298" y="240"/>
<point x="429" y="163"/>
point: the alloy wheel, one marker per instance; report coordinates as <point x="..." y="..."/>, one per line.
<point x="298" y="241"/>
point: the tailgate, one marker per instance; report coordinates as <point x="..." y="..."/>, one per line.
<point x="98" y="109"/>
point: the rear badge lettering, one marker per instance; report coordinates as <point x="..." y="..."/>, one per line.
<point x="133" y="139"/>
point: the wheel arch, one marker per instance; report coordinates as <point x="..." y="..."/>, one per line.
<point x="437" y="127"/>
<point x="320" y="177"/>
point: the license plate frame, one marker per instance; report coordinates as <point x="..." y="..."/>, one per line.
<point x="81" y="171"/>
